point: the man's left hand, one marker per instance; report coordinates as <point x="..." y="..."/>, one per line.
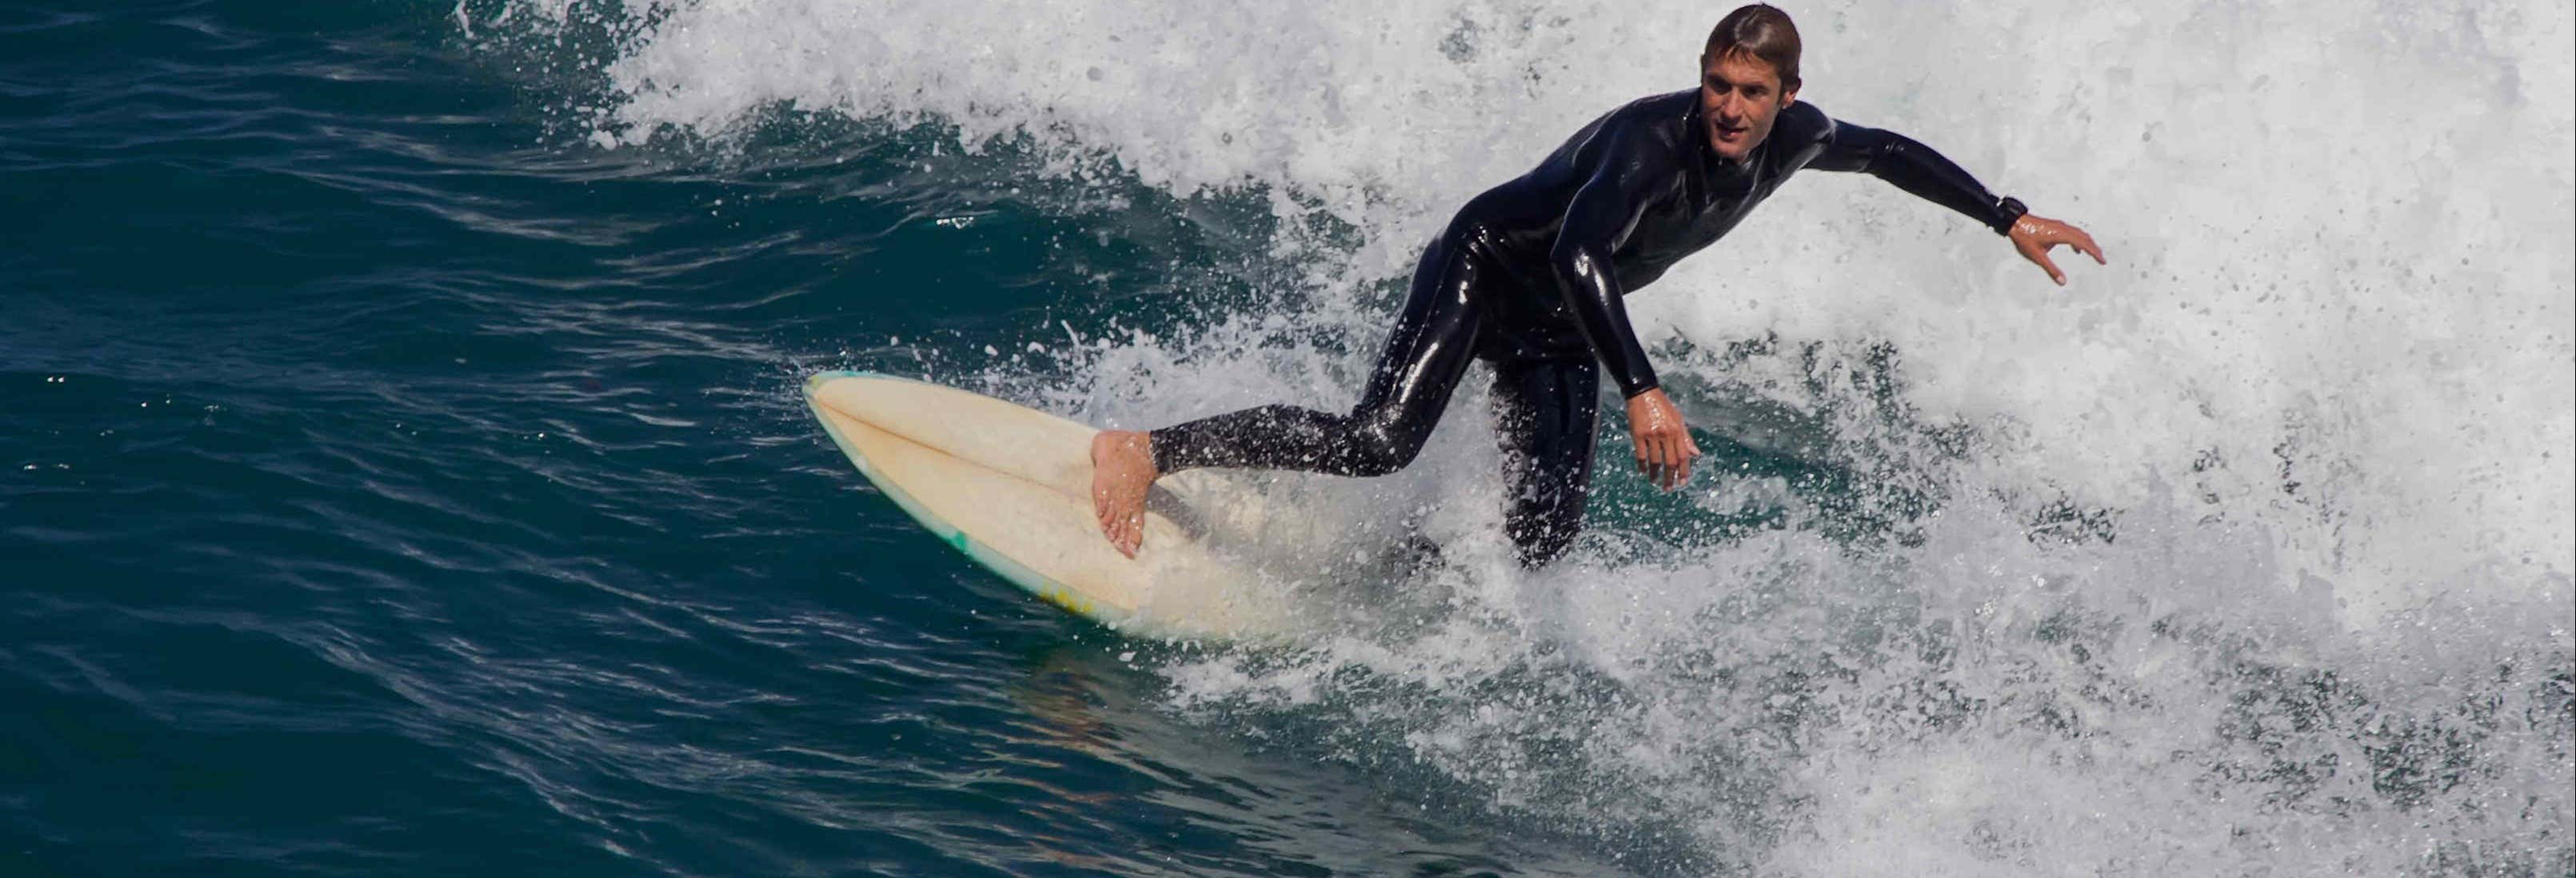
<point x="2033" y="235"/>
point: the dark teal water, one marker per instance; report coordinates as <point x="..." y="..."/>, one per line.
<point x="401" y="481"/>
<point x="396" y="488"/>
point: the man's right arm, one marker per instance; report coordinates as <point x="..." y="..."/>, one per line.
<point x="1604" y="211"/>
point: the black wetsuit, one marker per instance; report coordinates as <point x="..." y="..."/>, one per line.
<point x="1529" y="276"/>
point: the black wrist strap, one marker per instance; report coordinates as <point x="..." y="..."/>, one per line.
<point x="2011" y="210"/>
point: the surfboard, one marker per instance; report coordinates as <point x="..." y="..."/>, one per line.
<point x="1010" y="488"/>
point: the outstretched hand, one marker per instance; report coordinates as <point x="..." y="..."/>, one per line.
<point x="1664" y="446"/>
<point x="2034" y="235"/>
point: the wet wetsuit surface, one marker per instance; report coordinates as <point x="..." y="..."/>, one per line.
<point x="1529" y="276"/>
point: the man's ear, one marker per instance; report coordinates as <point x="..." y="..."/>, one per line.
<point x="1788" y="96"/>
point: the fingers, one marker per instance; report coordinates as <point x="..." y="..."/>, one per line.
<point x="1664" y="446"/>
<point x="2040" y="255"/>
<point x="2036" y="236"/>
<point x="1125" y="533"/>
<point x="1665" y="458"/>
<point x="2078" y="239"/>
<point x="1650" y="459"/>
<point x="1110" y="524"/>
<point x="2085" y="243"/>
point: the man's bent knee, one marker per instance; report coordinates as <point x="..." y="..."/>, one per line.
<point x="1377" y="454"/>
<point x="1381" y="445"/>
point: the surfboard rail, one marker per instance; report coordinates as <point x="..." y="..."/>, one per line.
<point x="1008" y="487"/>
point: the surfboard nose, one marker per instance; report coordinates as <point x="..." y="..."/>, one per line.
<point x="814" y="383"/>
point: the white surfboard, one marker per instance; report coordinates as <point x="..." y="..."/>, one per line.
<point x="1010" y="487"/>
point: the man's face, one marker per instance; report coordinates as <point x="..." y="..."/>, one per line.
<point x="1739" y="96"/>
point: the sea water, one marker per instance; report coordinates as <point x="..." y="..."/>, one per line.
<point x="405" y="471"/>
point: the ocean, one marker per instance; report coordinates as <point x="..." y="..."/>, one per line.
<point x="403" y="469"/>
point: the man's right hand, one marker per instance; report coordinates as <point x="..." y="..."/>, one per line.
<point x="1664" y="446"/>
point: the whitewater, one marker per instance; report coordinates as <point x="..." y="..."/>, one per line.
<point x="2247" y="554"/>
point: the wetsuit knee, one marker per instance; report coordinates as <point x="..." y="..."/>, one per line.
<point x="1380" y="445"/>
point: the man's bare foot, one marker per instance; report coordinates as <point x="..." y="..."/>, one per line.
<point x="1122" y="469"/>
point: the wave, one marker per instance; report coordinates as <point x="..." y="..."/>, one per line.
<point x="2248" y="553"/>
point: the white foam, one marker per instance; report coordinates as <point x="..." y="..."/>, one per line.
<point x="2326" y="389"/>
<point x="2315" y="247"/>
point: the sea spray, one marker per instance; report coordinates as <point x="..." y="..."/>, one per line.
<point x="2248" y="553"/>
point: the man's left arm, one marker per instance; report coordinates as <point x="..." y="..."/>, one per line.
<point x="1919" y="170"/>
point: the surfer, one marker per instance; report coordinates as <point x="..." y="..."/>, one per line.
<point x="1529" y="278"/>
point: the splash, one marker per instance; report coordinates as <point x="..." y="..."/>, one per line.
<point x="2248" y="554"/>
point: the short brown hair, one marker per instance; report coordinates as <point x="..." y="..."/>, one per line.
<point x="1762" y="31"/>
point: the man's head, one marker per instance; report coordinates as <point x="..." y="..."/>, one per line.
<point x="1748" y="74"/>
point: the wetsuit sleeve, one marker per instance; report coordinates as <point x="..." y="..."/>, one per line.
<point x="1916" y="169"/>
<point x="1598" y="220"/>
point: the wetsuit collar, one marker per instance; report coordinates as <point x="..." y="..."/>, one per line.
<point x="1710" y="170"/>
<point x="1709" y="160"/>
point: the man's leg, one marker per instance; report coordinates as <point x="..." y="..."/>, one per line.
<point x="1433" y="342"/>
<point x="1544" y="411"/>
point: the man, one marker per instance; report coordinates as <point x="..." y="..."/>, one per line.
<point x="1529" y="277"/>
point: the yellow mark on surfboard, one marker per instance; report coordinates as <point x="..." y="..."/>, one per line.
<point x="1069" y="600"/>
